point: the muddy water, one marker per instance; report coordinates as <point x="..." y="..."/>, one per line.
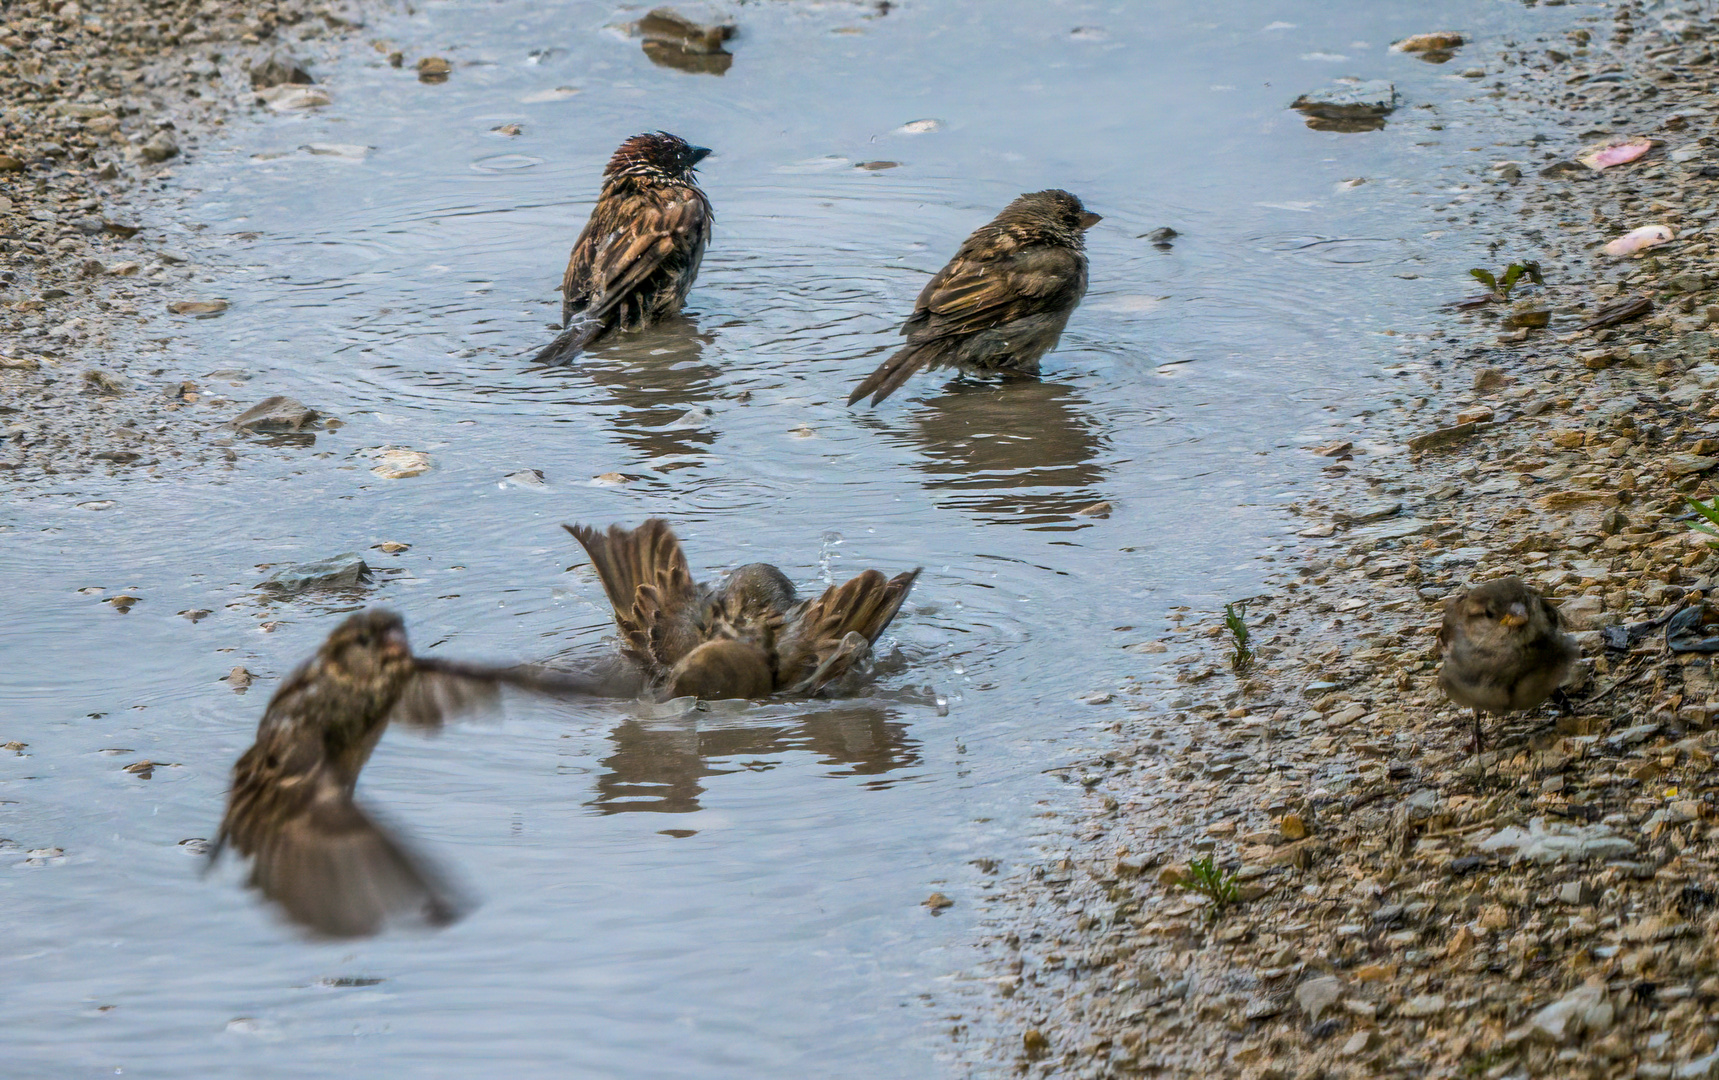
<point x="731" y="893"/>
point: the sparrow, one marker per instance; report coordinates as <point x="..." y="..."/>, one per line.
<point x="639" y="253"/>
<point x="1002" y="301"/>
<point x="749" y="636"/>
<point x="329" y="865"/>
<point x="1504" y="649"/>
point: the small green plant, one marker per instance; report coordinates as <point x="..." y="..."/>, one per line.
<point x="1709" y="511"/>
<point x="1501" y="284"/>
<point x="1207" y="878"/>
<point x="1235" y="620"/>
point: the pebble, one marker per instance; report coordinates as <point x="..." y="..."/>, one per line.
<point x="396" y="464"/>
<point x="277" y="413"/>
<point x="344" y="571"/>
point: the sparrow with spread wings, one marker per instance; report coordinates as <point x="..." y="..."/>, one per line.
<point x="639" y="253"/>
<point x="330" y="866"/>
<point x="749" y="636"/>
<point x="1002" y="301"/>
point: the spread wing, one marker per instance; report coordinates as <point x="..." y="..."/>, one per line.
<point x="443" y="690"/>
<point x="836" y="630"/>
<point x="330" y="866"/>
<point x="631" y="234"/>
<point x="993" y="281"/>
<point x="645" y="575"/>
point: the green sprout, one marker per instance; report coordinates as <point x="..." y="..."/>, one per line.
<point x="1710" y="511"/>
<point x="1502" y="284"/>
<point x="1218" y="885"/>
<point x="1235" y="616"/>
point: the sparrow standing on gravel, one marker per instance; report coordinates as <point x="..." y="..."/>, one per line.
<point x="748" y="637"/>
<point x="1504" y="649"/>
<point x="1002" y="301"/>
<point x="640" y="251"/>
<point x="290" y="809"/>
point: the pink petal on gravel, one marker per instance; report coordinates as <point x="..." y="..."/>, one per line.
<point x="1605" y="156"/>
<point x="1639" y="239"/>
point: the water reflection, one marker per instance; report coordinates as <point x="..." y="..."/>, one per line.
<point x="1022" y="452"/>
<point x="670" y="55"/>
<point x="658" y="378"/>
<point x="657" y="765"/>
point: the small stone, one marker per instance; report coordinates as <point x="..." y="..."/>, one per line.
<point x="1584" y="1009"/>
<point x="1677" y="465"/>
<point x="1577" y="893"/>
<point x="278" y="413"/>
<point x="160" y="147"/>
<point x="937" y="902"/>
<point x="1443" y="437"/>
<point x="1362" y="513"/>
<point x="668" y="26"/>
<point x="1360" y="1043"/>
<point x="398" y="464"/>
<point x="1461" y="943"/>
<point x="1349" y="100"/>
<point x="280" y="69"/>
<point x="1422" y="1005"/>
<point x="1292" y="827"/>
<point x="1434" y="42"/>
<point x="1096" y="510"/>
<point x="288" y="98"/>
<point x="1317" y="995"/>
<point x="609" y="479"/>
<point x="344" y="571"/>
<point x="1545" y="844"/>
<point x="393" y="547"/>
<point x="434" y="69"/>
<point x="197" y="307"/>
<point x="239" y="680"/>
<point x="1035" y="1044"/>
<point x="1527" y="318"/>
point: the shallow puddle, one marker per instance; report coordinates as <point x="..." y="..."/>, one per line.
<point x="733" y="892"/>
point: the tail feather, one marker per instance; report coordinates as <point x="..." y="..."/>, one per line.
<point x="891" y="374"/>
<point x="568" y="344"/>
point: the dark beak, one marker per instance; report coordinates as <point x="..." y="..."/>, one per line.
<point x="1088" y="219"/>
<point x="698" y="154"/>
<point x="394" y="643"/>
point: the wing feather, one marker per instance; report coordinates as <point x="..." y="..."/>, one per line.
<point x="645" y="575"/>
<point x="818" y="647"/>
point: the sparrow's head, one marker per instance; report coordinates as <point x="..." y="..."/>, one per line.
<point x="1055" y="213"/>
<point x="656" y="155"/>
<point x="369" y="650"/>
<point x="1508" y="604"/>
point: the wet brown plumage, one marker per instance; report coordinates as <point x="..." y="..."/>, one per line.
<point x="1002" y="301"/>
<point x="329" y="865"/>
<point x="640" y="251"/>
<point x="749" y="636"/>
<point x="1504" y="649"/>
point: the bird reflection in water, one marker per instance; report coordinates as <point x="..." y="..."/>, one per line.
<point x="658" y="379"/>
<point x="658" y="765"/>
<point x="1023" y="451"/>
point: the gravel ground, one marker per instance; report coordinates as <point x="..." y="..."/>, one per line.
<point x="102" y="101"/>
<point x="1401" y="909"/>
